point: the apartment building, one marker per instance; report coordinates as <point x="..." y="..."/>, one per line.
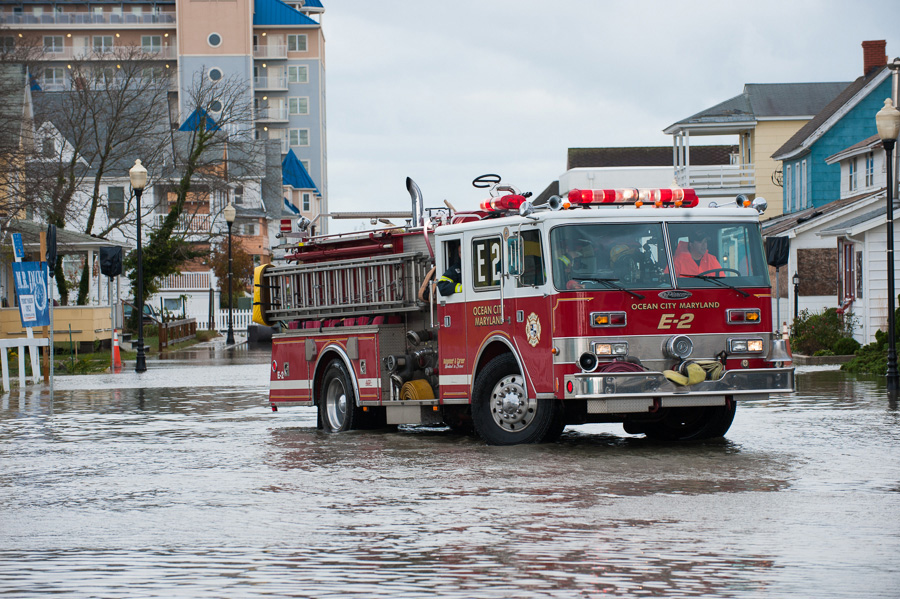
<point x="276" y="47"/>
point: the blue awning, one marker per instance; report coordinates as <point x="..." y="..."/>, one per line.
<point x="293" y="173"/>
<point x="196" y="118"/>
<point x="274" y="12"/>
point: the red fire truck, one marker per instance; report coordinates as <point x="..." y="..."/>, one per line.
<point x="626" y="305"/>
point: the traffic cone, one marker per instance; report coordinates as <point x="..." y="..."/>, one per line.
<point x="117" y="359"/>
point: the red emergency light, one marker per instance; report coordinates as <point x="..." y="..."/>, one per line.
<point x="510" y="202"/>
<point x="686" y="198"/>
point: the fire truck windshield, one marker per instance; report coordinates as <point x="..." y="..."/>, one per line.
<point x="591" y="256"/>
<point x="704" y="252"/>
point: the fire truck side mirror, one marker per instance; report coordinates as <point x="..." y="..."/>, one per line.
<point x="514" y="254"/>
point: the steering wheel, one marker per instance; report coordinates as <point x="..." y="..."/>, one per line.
<point x="706" y="272"/>
<point x="485" y="181"/>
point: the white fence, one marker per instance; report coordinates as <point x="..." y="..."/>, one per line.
<point x="240" y="320"/>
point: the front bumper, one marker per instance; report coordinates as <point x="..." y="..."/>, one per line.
<point x="618" y="392"/>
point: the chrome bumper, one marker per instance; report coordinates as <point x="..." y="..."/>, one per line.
<point x="636" y="391"/>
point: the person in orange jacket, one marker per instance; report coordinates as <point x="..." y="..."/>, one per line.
<point x="693" y="257"/>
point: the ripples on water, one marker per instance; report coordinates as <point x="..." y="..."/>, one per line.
<point x="182" y="483"/>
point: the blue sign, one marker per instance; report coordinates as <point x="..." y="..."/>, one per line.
<point x="31" y="293"/>
<point x="17" y="245"/>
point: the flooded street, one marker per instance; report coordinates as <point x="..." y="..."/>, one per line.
<point x="189" y="486"/>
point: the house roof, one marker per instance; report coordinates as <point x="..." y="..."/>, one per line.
<point x="800" y="138"/>
<point x="785" y="223"/>
<point x="646" y="156"/>
<point x="275" y="12"/>
<point x="66" y="241"/>
<point x="761" y="101"/>
<point x="865" y="145"/>
<point x="870" y="219"/>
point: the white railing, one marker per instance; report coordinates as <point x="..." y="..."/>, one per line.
<point x="186" y="281"/>
<point x="85" y="18"/>
<point x="270" y="51"/>
<point x="716" y="177"/>
<point x="188" y="223"/>
<point x="111" y="53"/>
<point x="20" y="345"/>
<point x="272" y="114"/>
<point x="261" y="83"/>
<point x="115" y="83"/>
<point x="241" y="319"/>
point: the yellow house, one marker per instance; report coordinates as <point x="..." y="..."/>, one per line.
<point x="762" y="118"/>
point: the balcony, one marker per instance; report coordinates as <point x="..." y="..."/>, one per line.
<point x="112" y="53"/>
<point x="55" y="85"/>
<point x="165" y="19"/>
<point x="716" y="180"/>
<point x="270" y="83"/>
<point x="186" y="281"/>
<point x="270" y="52"/>
<point x="188" y="223"/>
<point x="278" y="114"/>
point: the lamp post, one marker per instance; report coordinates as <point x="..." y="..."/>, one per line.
<point x="796" y="280"/>
<point x="138" y="176"/>
<point x="888" y="123"/>
<point x="229" y="213"/>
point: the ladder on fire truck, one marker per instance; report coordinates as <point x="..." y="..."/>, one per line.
<point x="374" y="285"/>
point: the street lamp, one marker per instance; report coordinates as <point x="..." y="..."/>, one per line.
<point x="229" y="213"/>
<point x="796" y="280"/>
<point x="138" y="176"/>
<point x="888" y="123"/>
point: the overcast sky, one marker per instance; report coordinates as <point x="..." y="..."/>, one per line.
<point x="446" y="91"/>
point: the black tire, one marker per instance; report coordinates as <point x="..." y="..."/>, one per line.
<point x="336" y="399"/>
<point x="502" y="412"/>
<point x="692" y="424"/>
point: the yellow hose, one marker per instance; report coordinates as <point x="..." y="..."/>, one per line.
<point x="417" y="389"/>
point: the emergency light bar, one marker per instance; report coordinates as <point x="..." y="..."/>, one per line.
<point x="680" y="198"/>
<point x="509" y="202"/>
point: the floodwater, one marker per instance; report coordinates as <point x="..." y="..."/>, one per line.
<point x="189" y="486"/>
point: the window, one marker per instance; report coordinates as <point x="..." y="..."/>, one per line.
<point x="870" y="169"/>
<point x="298" y="105"/>
<point x="215" y="74"/>
<point x="298" y="137"/>
<point x="53" y="44"/>
<point x="239" y="194"/>
<point x="486" y="263"/>
<point x="305" y="164"/>
<point x="7" y="43"/>
<point x="151" y="43"/>
<point x="307" y="202"/>
<point x="532" y="260"/>
<point x="789" y="201"/>
<point x="593" y="256"/>
<point x="54" y="78"/>
<point x="152" y="73"/>
<point x="804" y="201"/>
<point x="796" y="191"/>
<point x="103" y="43"/>
<point x="296" y="43"/>
<point x="214" y="40"/>
<point x="116" y="202"/>
<point x="298" y="74"/>
<point x="48" y="147"/>
<point x="248" y="229"/>
<point x="851" y="174"/>
<point x="729" y="251"/>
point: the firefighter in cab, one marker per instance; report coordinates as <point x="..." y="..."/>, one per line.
<point x="693" y="257"/>
<point x="451" y="281"/>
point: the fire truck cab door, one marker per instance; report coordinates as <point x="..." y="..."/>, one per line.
<point x="453" y="373"/>
<point x="530" y="309"/>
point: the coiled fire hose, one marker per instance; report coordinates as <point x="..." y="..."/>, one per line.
<point x="695" y="371"/>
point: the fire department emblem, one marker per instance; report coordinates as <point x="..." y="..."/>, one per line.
<point x="533" y="329"/>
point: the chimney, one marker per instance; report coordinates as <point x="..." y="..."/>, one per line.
<point x="874" y="55"/>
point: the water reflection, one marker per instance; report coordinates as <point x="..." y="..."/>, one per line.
<point x="182" y="482"/>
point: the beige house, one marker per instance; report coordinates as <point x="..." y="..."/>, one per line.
<point x="761" y="119"/>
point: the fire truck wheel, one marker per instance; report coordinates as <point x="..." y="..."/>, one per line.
<point x="692" y="424"/>
<point x="337" y="409"/>
<point x="502" y="412"/>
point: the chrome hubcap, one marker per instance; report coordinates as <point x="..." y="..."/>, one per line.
<point x="512" y="410"/>
<point x="335" y="404"/>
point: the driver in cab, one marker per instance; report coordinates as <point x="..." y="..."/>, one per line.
<point x="693" y="258"/>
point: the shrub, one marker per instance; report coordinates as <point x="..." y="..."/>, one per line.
<point x="821" y="330"/>
<point x="824" y="352"/>
<point x="845" y="346"/>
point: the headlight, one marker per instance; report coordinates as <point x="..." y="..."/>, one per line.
<point x="745" y="346"/>
<point x="611" y="349"/>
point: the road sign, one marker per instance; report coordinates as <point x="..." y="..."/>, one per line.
<point x="31" y="292"/>
<point x="17" y="245"/>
